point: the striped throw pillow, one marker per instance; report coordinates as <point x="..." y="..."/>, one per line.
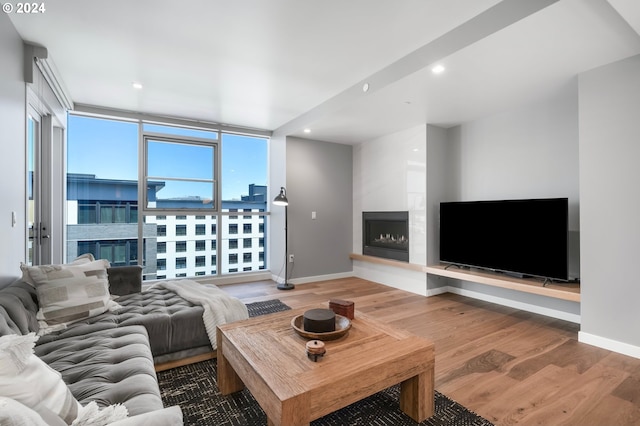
<point x="27" y="379"/>
<point x="71" y="292"/>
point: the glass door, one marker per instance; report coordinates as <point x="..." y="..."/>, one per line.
<point x="38" y="243"/>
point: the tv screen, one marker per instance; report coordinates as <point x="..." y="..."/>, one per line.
<point x="527" y="237"/>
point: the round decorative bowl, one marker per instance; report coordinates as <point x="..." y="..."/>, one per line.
<point x="343" y="324"/>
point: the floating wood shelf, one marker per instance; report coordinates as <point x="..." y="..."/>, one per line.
<point x="564" y="291"/>
<point x="388" y="262"/>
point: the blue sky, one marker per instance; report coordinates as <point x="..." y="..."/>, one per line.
<point x="109" y="150"/>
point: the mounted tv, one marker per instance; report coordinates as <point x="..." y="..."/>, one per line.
<point x="528" y="238"/>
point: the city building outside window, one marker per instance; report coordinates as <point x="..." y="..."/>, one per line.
<point x="181" y="262"/>
<point x="102" y="158"/>
<point x="181" y="230"/>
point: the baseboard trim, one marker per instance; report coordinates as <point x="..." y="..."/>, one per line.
<point x="609" y="344"/>
<point x="554" y="313"/>
<point x="235" y="279"/>
<point x="316" y="278"/>
<point x="438" y="290"/>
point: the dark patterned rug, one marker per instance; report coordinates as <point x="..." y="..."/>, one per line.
<point x="194" y="388"/>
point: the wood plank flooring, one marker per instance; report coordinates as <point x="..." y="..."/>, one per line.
<point x="509" y="366"/>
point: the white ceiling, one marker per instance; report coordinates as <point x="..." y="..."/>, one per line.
<point x="285" y="65"/>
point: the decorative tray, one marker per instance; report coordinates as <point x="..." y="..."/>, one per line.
<point x="343" y="324"/>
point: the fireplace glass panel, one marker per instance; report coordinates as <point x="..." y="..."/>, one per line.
<point x="386" y="234"/>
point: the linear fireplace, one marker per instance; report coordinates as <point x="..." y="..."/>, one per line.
<point x="386" y="234"/>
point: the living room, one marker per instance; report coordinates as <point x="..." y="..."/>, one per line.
<point x="575" y="139"/>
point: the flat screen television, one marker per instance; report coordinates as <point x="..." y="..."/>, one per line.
<point x="523" y="237"/>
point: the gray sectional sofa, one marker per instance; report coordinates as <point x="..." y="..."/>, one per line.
<point x="109" y="358"/>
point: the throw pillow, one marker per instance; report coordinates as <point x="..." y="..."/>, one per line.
<point x="85" y="258"/>
<point x="14" y="413"/>
<point x="69" y="293"/>
<point x="27" y="379"/>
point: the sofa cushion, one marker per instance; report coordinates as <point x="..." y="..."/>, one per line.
<point x="173" y="323"/>
<point x="113" y="366"/>
<point x="125" y="279"/>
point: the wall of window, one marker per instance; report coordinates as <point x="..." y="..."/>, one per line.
<point x="179" y="202"/>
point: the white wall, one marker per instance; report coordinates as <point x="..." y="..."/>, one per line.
<point x="12" y="160"/>
<point x="610" y="205"/>
<point x="443" y="184"/>
<point x="277" y="178"/>
<point x="526" y="152"/>
<point x="389" y="174"/>
<point x="530" y="151"/>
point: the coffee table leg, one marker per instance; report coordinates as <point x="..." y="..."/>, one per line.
<point x="228" y="380"/>
<point x="416" y="396"/>
<point x="292" y="412"/>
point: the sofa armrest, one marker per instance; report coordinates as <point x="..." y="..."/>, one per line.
<point x="125" y="280"/>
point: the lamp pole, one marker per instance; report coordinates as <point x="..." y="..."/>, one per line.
<point x="281" y="200"/>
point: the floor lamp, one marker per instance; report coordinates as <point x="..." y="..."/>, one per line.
<point x="281" y="200"/>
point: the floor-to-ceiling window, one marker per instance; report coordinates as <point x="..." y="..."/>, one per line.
<point x="168" y="197"/>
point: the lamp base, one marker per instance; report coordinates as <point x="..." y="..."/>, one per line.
<point x="286" y="286"/>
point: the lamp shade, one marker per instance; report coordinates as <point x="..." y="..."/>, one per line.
<point x="281" y="199"/>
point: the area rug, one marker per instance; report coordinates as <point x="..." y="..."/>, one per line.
<point x="194" y="388"/>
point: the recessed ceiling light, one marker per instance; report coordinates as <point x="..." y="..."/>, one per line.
<point x="365" y="87"/>
<point x="136" y="85"/>
<point x="307" y="130"/>
<point x="438" y="69"/>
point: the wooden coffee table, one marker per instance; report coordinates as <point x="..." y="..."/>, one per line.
<point x="269" y="357"/>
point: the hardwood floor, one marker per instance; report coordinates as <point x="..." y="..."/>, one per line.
<point x="509" y="366"/>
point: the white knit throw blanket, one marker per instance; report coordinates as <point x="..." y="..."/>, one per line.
<point x="219" y="307"/>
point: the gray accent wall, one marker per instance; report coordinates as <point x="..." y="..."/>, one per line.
<point x="319" y="179"/>
<point x="12" y="145"/>
<point x="610" y="203"/>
